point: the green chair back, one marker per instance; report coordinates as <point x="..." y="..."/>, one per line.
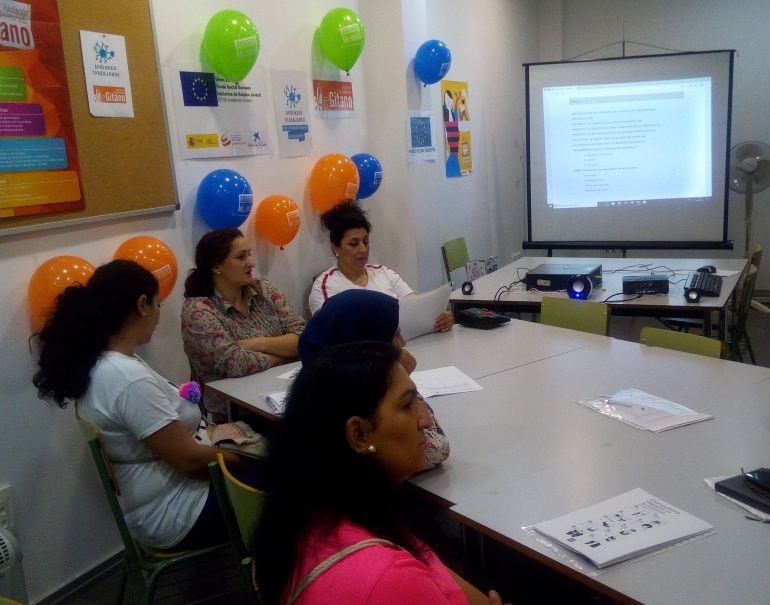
<point x="246" y="501"/>
<point x="455" y="255"/>
<point x="151" y="562"/>
<point x="736" y="327"/>
<point x="241" y="507"/>
<point x="583" y="315"/>
<point x="756" y="256"/>
<point x="681" y="341"/>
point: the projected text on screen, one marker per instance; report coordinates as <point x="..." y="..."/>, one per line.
<point x="627" y="143"/>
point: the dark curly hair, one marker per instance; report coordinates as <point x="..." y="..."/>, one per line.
<point x="211" y="250"/>
<point x="83" y="319"/>
<point x="344" y="216"/>
<point x="315" y="479"/>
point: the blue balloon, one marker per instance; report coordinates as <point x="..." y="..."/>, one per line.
<point x="369" y="174"/>
<point x="432" y="61"/>
<point x="224" y="199"/>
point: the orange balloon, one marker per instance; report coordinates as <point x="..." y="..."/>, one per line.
<point x="334" y="179"/>
<point x="51" y="279"/>
<point x="277" y="219"/>
<point x="153" y="255"/>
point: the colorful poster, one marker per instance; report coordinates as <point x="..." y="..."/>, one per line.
<point x="105" y="65"/>
<point x="333" y="99"/>
<point x="457" y="128"/>
<point x="39" y="168"/>
<point x="291" y="113"/>
<point x="419" y="135"/>
<point x="218" y="118"/>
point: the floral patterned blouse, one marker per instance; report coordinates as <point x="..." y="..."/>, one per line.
<point x="212" y="327"/>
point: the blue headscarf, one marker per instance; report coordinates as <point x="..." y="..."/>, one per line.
<point x="350" y="316"/>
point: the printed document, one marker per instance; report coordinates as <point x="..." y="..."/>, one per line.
<point x="623" y="527"/>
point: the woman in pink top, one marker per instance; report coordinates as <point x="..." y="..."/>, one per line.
<point x="334" y="528"/>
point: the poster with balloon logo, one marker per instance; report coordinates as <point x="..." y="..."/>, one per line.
<point x="220" y="103"/>
<point x="292" y="105"/>
<point x="455" y="109"/>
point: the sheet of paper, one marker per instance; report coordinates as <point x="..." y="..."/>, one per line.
<point x="643" y="411"/>
<point x="443" y="381"/>
<point x="417" y="313"/>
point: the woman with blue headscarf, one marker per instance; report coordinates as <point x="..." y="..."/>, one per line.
<point x="356" y="315"/>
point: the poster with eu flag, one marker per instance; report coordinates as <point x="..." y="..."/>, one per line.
<point x="218" y="118"/>
<point x="199" y="89"/>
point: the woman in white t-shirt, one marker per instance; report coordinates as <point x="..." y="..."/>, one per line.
<point x="349" y="229"/>
<point x="157" y="441"/>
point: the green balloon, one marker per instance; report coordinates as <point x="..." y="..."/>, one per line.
<point x="231" y="44"/>
<point x="341" y="37"/>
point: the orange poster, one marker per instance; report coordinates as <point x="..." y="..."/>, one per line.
<point x="39" y="168"/>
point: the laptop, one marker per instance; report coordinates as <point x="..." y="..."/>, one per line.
<point x="418" y="312"/>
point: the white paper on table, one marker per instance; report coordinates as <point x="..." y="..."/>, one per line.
<point x="291" y="373"/>
<point x="276" y="401"/>
<point x="644" y="411"/>
<point x="443" y="381"/>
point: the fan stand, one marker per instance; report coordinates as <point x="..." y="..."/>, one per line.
<point x="755" y="304"/>
<point x="749" y="206"/>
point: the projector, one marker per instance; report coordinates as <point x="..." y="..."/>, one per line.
<point x="553" y="277"/>
<point x="645" y="284"/>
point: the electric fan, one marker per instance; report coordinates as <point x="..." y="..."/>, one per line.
<point x="11" y="573"/>
<point x="749" y="174"/>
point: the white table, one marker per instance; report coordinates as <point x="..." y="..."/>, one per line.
<point x="486" y="289"/>
<point x="523" y="451"/>
<point x="476" y="352"/>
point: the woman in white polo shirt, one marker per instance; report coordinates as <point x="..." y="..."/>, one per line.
<point x="349" y="229"/>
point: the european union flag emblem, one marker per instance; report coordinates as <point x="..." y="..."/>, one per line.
<point x="198" y="89"/>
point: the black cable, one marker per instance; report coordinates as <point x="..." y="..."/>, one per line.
<point x="623" y="294"/>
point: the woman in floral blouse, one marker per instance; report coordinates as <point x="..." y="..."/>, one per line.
<point x="233" y="323"/>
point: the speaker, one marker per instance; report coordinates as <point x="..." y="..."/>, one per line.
<point x="691" y="295"/>
<point x="579" y="286"/>
<point x="467" y="287"/>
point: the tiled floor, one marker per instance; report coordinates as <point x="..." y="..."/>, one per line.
<point x="219" y="580"/>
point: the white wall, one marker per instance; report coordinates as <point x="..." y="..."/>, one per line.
<point x="489" y="41"/>
<point x="63" y="523"/>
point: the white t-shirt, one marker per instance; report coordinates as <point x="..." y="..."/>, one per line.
<point x="380" y="279"/>
<point x="129" y="401"/>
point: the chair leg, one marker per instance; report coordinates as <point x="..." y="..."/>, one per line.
<point x="123" y="582"/>
<point x="750" y="350"/>
<point x="149" y="590"/>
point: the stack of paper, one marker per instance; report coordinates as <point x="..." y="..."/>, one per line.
<point x="643" y="411"/>
<point x="623" y="527"/>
